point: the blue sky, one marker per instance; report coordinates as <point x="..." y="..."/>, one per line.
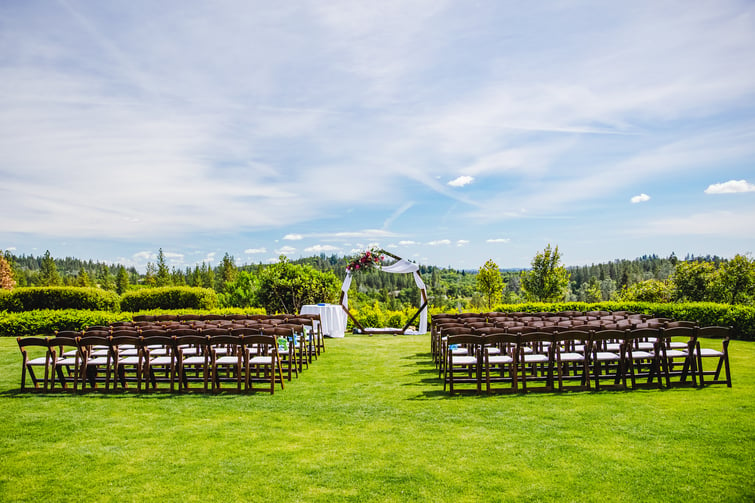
<point x="447" y="132"/>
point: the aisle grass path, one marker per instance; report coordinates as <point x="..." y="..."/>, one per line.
<point x="369" y="421"/>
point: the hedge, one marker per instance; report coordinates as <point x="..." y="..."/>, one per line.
<point x="169" y="297"/>
<point x="741" y="318"/>
<point x="46" y="322"/>
<point x="59" y="297"/>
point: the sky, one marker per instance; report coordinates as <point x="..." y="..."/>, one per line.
<point x="446" y="132"/>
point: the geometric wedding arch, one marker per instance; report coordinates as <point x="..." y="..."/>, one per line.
<point x="401" y="266"/>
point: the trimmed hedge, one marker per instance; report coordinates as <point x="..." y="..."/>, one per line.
<point x="59" y="297"/>
<point x="169" y="297"/>
<point x="741" y="318"/>
<point x="46" y="322"/>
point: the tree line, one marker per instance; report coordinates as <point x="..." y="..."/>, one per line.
<point x="650" y="278"/>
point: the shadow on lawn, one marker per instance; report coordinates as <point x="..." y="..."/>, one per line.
<point x="119" y="394"/>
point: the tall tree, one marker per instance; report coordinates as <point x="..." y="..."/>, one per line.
<point x="162" y="278"/>
<point x="227" y="272"/>
<point x="48" y="272"/>
<point x="121" y="280"/>
<point x="490" y="283"/>
<point x="149" y="275"/>
<point x="548" y="280"/>
<point x="105" y="279"/>
<point x="82" y="279"/>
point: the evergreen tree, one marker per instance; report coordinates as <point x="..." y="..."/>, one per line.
<point x="105" y="279"/>
<point x="150" y="274"/>
<point x="48" y="271"/>
<point x="82" y="279"/>
<point x="162" y="278"/>
<point x="121" y="281"/>
<point x="227" y="272"/>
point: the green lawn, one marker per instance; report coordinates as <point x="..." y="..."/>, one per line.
<point x="369" y="421"/>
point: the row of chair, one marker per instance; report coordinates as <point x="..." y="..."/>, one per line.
<point x="137" y="356"/>
<point x="521" y="322"/>
<point x="517" y="360"/>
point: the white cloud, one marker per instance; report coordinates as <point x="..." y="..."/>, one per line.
<point x="461" y="181"/>
<point x="408" y="243"/>
<point x="462" y="242"/>
<point x="293" y="237"/>
<point x="730" y="187"/>
<point x="439" y="242"/>
<point x="252" y="251"/>
<point x="321" y="249"/>
<point x="498" y="240"/>
<point x="640" y="199"/>
<point x="286" y="250"/>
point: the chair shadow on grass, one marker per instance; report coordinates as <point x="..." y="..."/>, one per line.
<point x="119" y="394"/>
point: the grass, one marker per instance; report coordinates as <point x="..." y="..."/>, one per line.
<point x="369" y="421"/>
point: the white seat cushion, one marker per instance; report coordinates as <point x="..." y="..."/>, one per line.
<point x="227" y="360"/>
<point x="638" y="354"/>
<point x="607" y="356"/>
<point x="261" y="360"/>
<point x="535" y="358"/>
<point x="463" y="360"/>
<point x="709" y="352"/>
<point x="572" y="357"/>
<point x="500" y="359"/>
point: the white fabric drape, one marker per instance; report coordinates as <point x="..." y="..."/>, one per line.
<point x="400" y="266"/>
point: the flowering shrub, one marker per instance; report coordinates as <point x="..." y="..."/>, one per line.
<point x="366" y="261"/>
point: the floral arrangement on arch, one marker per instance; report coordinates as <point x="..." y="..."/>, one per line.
<point x="366" y="261"/>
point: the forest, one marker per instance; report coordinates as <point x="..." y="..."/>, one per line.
<point x="649" y="277"/>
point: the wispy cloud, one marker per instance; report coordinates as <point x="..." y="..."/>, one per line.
<point x="321" y="249"/>
<point x="640" y="198"/>
<point x="730" y="187"/>
<point x="498" y="240"/>
<point x="439" y="242"/>
<point x="410" y="110"/>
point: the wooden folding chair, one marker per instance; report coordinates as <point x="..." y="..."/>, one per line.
<point x="192" y="353"/>
<point x="29" y="362"/>
<point x="499" y="356"/>
<point x="262" y="362"/>
<point x="570" y="360"/>
<point x="227" y="354"/>
<point x="723" y="333"/>
<point x="604" y="363"/>
<point x="66" y="359"/>
<point x="463" y="366"/>
<point x="95" y="357"/>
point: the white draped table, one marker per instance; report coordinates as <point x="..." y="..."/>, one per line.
<point x="333" y="318"/>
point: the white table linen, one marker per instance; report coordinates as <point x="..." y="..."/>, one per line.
<point x="333" y="318"/>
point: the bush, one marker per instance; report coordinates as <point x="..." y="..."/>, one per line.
<point x="59" y="297"/>
<point x="741" y="318"/>
<point x="46" y="322"/>
<point x="169" y="297"/>
<point x="34" y="323"/>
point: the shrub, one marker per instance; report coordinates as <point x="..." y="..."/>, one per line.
<point x="45" y="322"/>
<point x="170" y="297"/>
<point x="741" y="318"/>
<point x="59" y="297"/>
